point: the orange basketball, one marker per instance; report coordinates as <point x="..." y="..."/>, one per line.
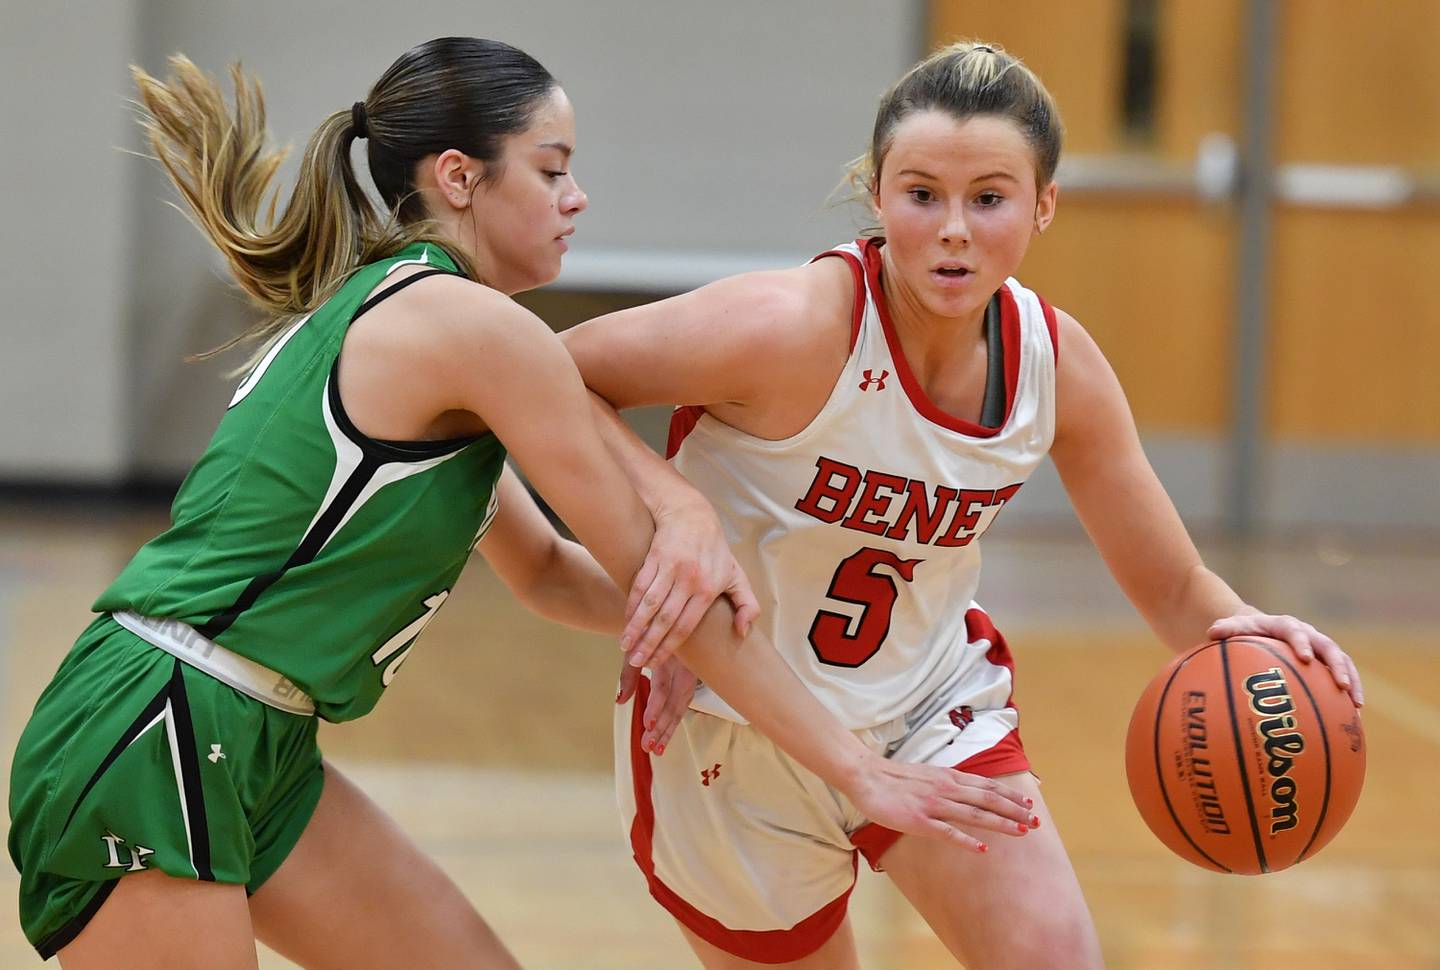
<point x="1243" y="759"/>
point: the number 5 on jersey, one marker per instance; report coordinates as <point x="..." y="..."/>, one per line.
<point x="856" y="581"/>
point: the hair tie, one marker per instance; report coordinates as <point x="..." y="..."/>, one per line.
<point x="357" y="120"/>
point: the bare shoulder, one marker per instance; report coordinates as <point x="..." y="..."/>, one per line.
<point x="783" y="306"/>
<point x="445" y="329"/>
<point x="443" y="315"/>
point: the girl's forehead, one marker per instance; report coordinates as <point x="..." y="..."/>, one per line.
<point x="941" y="139"/>
<point x="553" y="116"/>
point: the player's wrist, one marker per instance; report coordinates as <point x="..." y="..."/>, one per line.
<point x="856" y="770"/>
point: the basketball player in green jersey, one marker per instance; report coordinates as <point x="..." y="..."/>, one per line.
<point x="169" y="802"/>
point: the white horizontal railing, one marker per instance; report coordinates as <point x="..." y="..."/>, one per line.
<point x="1215" y="175"/>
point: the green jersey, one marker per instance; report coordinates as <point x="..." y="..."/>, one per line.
<point x="300" y="543"/>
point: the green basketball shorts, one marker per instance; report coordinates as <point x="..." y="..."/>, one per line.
<point x="134" y="760"/>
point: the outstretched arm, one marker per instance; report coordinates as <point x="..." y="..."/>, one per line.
<point x="1134" y="525"/>
<point x="531" y="396"/>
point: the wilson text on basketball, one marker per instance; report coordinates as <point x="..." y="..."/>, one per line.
<point x="1270" y="700"/>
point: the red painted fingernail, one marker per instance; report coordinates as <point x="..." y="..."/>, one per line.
<point x="1034" y="821"/>
<point x="984" y="847"/>
<point x="1029" y="802"/>
<point x="1022" y="828"/>
<point x="660" y="750"/>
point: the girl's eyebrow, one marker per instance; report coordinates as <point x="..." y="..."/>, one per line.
<point x="978" y="178"/>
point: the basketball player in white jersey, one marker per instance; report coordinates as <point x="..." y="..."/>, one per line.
<point x="859" y="423"/>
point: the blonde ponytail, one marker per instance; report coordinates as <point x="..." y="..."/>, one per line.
<point x="219" y="162"/>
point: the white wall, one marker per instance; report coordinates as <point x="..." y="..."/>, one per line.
<point x="65" y="248"/>
<point x="710" y="136"/>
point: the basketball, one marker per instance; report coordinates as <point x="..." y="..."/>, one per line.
<point x="1242" y="759"/>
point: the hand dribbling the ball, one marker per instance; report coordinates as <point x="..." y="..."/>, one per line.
<point x="1307" y="642"/>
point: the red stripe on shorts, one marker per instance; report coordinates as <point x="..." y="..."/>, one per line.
<point x="761" y="946"/>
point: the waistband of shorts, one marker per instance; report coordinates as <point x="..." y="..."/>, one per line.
<point x="184" y="642"/>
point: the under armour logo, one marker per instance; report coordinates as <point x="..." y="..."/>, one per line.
<point x="870" y="378"/>
<point x="215" y="754"/>
<point x="962" y="716"/>
<point x="137" y="853"/>
<point x="709" y="775"/>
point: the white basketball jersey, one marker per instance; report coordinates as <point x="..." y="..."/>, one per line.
<point x="861" y="533"/>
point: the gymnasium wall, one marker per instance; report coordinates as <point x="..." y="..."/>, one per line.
<point x="64" y="251"/>
<point x="710" y="138"/>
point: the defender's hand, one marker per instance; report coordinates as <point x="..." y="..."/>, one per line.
<point x="688" y="567"/>
<point x="939" y="803"/>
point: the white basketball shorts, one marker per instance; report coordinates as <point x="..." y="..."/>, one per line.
<point x="755" y="854"/>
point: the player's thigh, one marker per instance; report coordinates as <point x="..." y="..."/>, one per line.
<point x="355" y="892"/>
<point x="1018" y="905"/>
<point x="837" y="953"/>
<point x="152" y="921"/>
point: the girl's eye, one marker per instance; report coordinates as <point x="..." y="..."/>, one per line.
<point x="988" y="199"/>
<point x="922" y="195"/>
<point x="556" y="175"/>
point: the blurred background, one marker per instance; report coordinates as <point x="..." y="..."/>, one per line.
<point x="1249" y="224"/>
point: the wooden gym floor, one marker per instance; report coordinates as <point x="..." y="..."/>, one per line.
<point x="493" y="750"/>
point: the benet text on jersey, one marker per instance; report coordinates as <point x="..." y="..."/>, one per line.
<point x="879" y="503"/>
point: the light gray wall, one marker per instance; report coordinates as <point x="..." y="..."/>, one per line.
<point x="710" y="136"/>
<point x="63" y="253"/>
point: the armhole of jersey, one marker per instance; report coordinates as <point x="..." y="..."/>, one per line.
<point x="389" y="451"/>
<point x="682" y="421"/>
<point x="1053" y="325"/>
<point x="390" y="291"/>
<point x="857" y="273"/>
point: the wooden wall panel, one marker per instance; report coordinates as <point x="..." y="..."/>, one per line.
<point x="1355" y="321"/>
<point x="1152" y="281"/>
<point x="1201" y="73"/>
<point x="1356" y="327"/>
<point x="1359" y="83"/>
<point x="1073" y="47"/>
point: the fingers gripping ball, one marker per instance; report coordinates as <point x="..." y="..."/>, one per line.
<point x="1243" y="759"/>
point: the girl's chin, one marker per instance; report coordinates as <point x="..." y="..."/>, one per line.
<point x="950" y="304"/>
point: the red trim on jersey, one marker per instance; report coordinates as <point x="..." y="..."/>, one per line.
<point x="1051" y="324"/>
<point x="1009" y="336"/>
<point x="857" y="314"/>
<point x="1005" y="757"/>
<point x="682" y="421"/>
<point x="761" y="946"/>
